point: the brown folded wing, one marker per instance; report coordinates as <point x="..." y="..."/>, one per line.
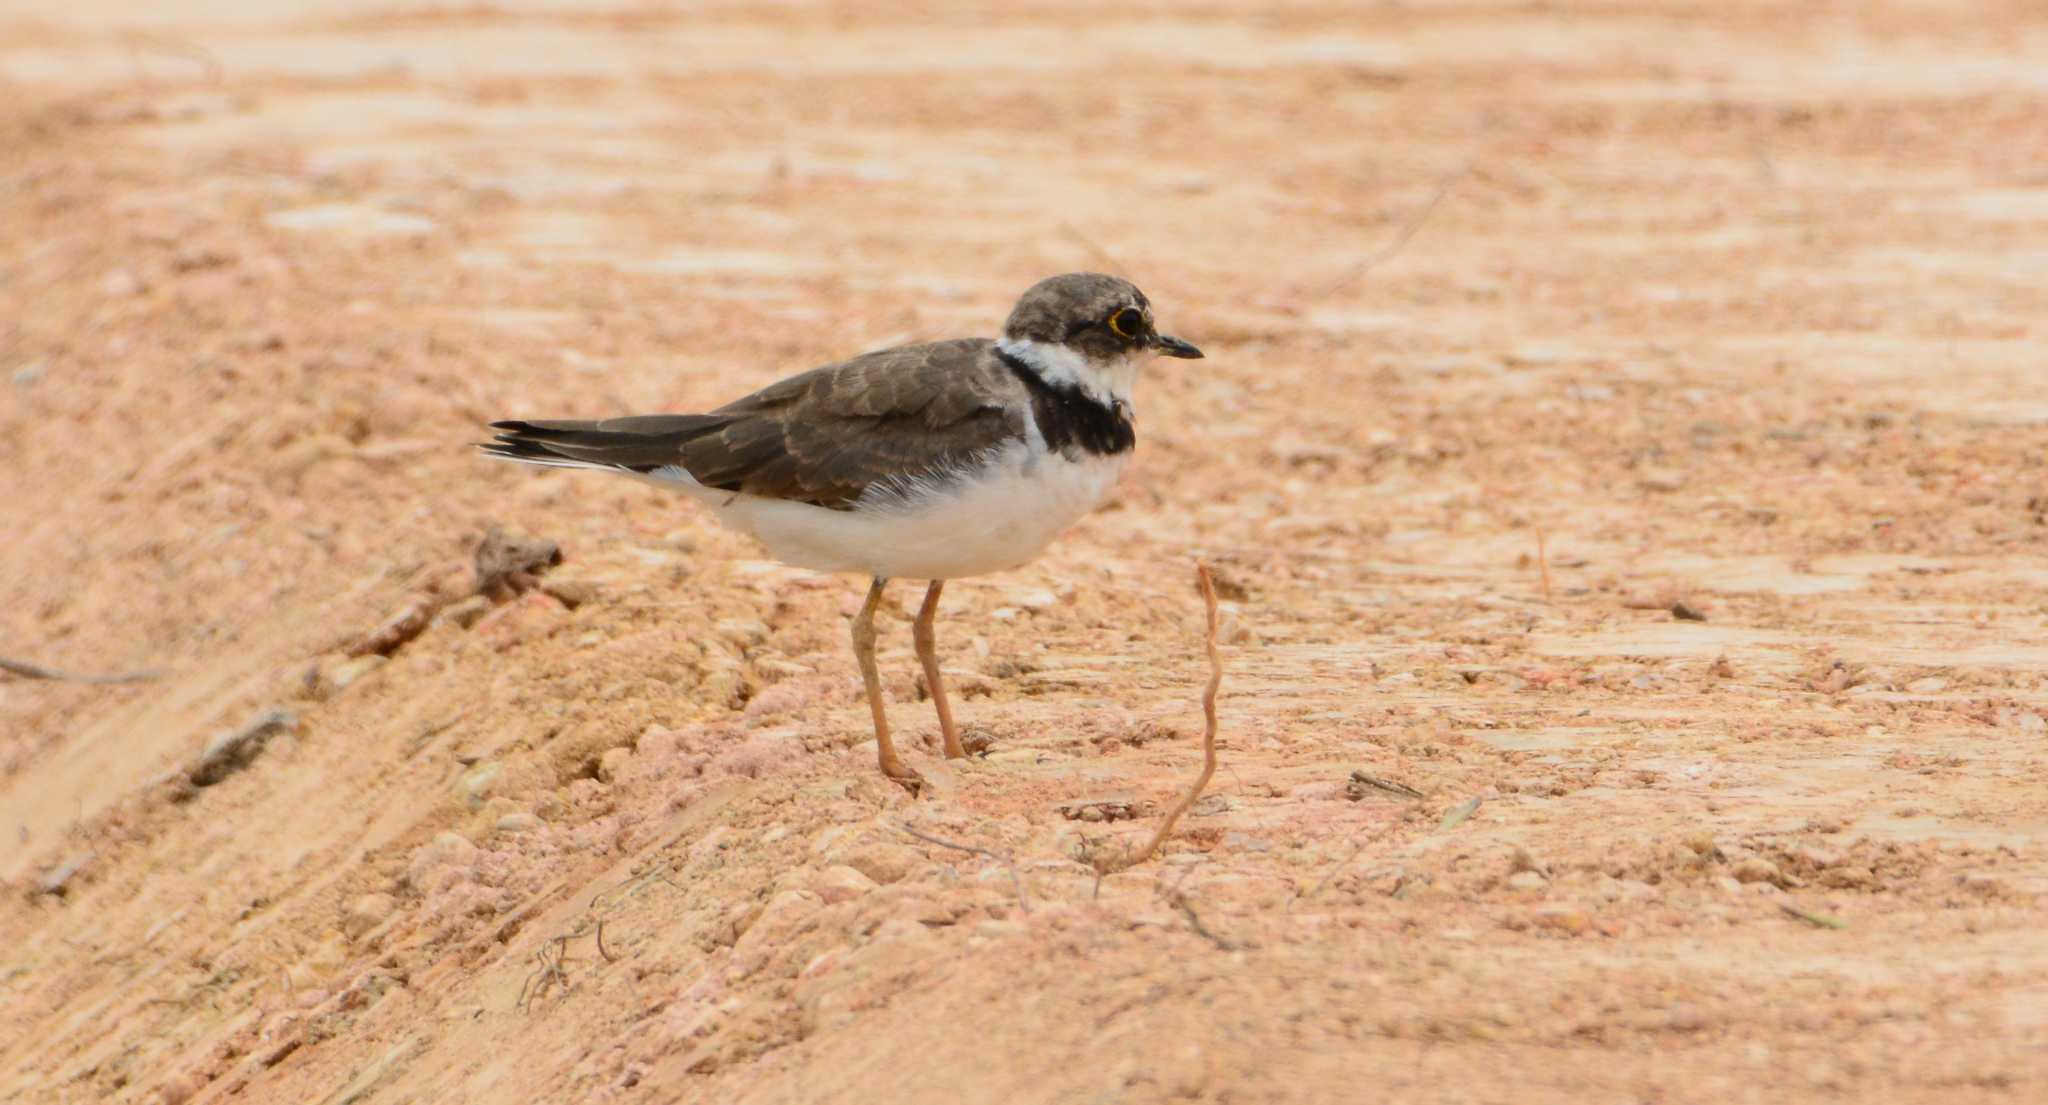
<point x="821" y="437"/>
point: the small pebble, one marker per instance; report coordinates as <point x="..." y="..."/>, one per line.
<point x="365" y="912"/>
<point x="466" y="612"/>
<point x="744" y="632"/>
<point x="1245" y="842"/>
<point x="1852" y="877"/>
<point x="1819" y="859"/>
<point x="57" y="879"/>
<point x="1685" y="1018"/>
<point x="121" y="284"/>
<point x="1562" y="918"/>
<point x="358" y="219"/>
<point x="999" y="930"/>
<point x="612" y="763"/>
<point x="348" y="671"/>
<point x="1038" y="598"/>
<point x="884" y="863"/>
<point x="475" y="785"/>
<point x="840" y="883"/>
<point x="1756" y="869"/>
<point x="572" y="592"/>
<point x="1636" y="890"/>
<point x="1977" y="882"/>
<point x="1661" y="480"/>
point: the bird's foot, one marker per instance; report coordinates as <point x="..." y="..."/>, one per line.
<point x="903" y="776"/>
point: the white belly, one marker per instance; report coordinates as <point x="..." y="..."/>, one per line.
<point x="997" y="519"/>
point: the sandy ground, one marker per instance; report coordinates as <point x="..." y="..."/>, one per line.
<point x="1526" y="323"/>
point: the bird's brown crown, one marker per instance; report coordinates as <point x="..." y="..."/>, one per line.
<point x="1097" y="315"/>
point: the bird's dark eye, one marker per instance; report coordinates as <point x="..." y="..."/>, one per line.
<point x="1127" y="322"/>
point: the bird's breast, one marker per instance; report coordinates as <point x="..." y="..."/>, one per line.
<point x="996" y="516"/>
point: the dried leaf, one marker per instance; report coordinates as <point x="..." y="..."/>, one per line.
<point x="1459" y="814"/>
<point x="1818" y="920"/>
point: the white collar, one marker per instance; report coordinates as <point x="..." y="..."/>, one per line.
<point x="1106" y="382"/>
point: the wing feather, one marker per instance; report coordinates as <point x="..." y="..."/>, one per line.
<point x="822" y="437"/>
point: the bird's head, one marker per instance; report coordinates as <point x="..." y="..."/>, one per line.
<point x="1089" y="330"/>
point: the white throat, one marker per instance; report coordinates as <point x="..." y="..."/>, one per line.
<point x="1107" y="382"/>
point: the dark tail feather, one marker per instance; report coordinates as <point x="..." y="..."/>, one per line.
<point x="639" y="444"/>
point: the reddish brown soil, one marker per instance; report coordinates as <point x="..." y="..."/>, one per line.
<point x="1734" y="305"/>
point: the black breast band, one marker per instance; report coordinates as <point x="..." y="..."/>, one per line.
<point x="1069" y="417"/>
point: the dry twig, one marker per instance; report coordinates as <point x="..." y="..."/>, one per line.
<point x="1335" y="869"/>
<point x="1362" y="784"/>
<point x="238" y="748"/>
<point x="1813" y="917"/>
<point x="1102" y="256"/>
<point x="1105" y="865"/>
<point x="553" y="956"/>
<point x="1386" y="253"/>
<point x="400" y="628"/>
<point x="27" y="670"/>
<point x="547" y="976"/>
<point x="1016" y="880"/>
<point x="1180" y="902"/>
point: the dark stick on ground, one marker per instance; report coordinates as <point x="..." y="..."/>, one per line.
<point x="1363" y="784"/>
<point x="1357" y="847"/>
<point x="552" y="974"/>
<point x="1187" y="910"/>
<point x="1016" y="880"/>
<point x="547" y="976"/>
<point x="27" y="670"/>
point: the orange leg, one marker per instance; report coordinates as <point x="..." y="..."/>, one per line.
<point x="928" y="654"/>
<point x="864" y="651"/>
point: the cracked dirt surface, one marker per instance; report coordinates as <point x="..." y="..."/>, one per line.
<point x="1626" y="416"/>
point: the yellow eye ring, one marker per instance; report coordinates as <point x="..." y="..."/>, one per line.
<point x="1125" y="323"/>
